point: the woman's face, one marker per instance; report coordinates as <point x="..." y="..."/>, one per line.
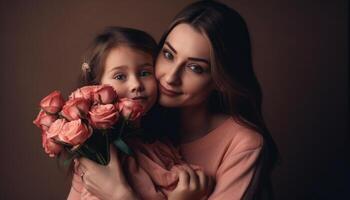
<point x="131" y="74"/>
<point x="183" y="68"/>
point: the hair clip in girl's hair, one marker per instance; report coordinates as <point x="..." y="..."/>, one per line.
<point x="85" y="67"/>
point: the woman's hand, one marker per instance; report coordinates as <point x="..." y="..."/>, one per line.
<point x="192" y="185"/>
<point x="105" y="182"/>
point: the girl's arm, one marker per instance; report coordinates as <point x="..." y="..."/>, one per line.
<point x="76" y="188"/>
<point x="108" y="182"/>
<point x="105" y="182"/>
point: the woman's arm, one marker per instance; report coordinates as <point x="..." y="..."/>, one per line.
<point x="192" y="184"/>
<point x="235" y="174"/>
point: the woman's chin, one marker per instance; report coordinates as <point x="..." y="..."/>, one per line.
<point x="169" y="102"/>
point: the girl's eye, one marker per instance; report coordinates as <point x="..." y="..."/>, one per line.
<point x="168" y="55"/>
<point x="196" y="69"/>
<point x="120" y="77"/>
<point x="145" y="73"/>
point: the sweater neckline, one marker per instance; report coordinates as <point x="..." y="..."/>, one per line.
<point x="211" y="136"/>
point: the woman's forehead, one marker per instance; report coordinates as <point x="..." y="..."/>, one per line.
<point x="188" y="41"/>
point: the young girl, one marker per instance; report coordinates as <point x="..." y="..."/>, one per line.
<point x="124" y="59"/>
<point x="205" y="74"/>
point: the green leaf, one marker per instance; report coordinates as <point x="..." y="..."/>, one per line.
<point x="68" y="159"/>
<point x="66" y="162"/>
<point x="121" y="145"/>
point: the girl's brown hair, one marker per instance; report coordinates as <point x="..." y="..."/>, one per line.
<point x="110" y="38"/>
<point x="238" y="91"/>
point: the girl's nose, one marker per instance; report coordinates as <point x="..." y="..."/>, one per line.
<point x="136" y="85"/>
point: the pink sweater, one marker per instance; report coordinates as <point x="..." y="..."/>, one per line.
<point x="229" y="154"/>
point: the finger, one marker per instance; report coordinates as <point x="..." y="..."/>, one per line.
<point x="114" y="162"/>
<point x="114" y="157"/>
<point x="203" y="180"/>
<point x="210" y="185"/>
<point x="79" y="168"/>
<point x="87" y="163"/>
<point x="184" y="179"/>
<point x="194" y="181"/>
<point x="76" y="165"/>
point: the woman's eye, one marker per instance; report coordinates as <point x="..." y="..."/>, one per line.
<point x="120" y="77"/>
<point x="168" y="55"/>
<point x="196" y="68"/>
<point x="145" y="73"/>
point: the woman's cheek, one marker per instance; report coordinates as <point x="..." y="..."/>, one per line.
<point x="159" y="68"/>
<point x="197" y="88"/>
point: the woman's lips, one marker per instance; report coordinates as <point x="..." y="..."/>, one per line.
<point x="168" y="92"/>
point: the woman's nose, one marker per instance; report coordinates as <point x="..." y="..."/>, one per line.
<point x="173" y="76"/>
<point x="136" y="84"/>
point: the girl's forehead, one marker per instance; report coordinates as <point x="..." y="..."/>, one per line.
<point x="124" y="57"/>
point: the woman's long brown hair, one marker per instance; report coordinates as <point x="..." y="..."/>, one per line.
<point x="238" y="91"/>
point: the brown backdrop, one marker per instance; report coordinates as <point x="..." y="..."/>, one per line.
<point x="300" y="56"/>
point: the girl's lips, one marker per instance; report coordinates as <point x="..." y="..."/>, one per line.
<point x="139" y="98"/>
<point x="168" y="92"/>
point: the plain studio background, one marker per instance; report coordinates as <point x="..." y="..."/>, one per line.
<point x="300" y="51"/>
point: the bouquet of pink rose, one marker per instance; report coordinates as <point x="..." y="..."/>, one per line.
<point x="85" y="124"/>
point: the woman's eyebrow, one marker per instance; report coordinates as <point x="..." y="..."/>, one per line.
<point x="171" y="47"/>
<point x="190" y="58"/>
<point x="199" y="59"/>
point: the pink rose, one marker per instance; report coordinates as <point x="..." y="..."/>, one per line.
<point x="75" y="109"/>
<point x="50" y="147"/>
<point x="75" y="132"/>
<point x="130" y="109"/>
<point x="104" y="94"/>
<point x="103" y="116"/>
<point x="56" y="128"/>
<point x="44" y="120"/>
<point x="85" y="92"/>
<point x="52" y="103"/>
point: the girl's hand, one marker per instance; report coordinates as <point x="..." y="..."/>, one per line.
<point x="192" y="185"/>
<point x="105" y="182"/>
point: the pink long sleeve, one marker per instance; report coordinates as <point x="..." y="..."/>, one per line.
<point x="152" y="172"/>
<point x="234" y="175"/>
<point x="231" y="157"/>
<point x="78" y="191"/>
<point x="75" y="190"/>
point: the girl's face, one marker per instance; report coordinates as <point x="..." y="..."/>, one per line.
<point x="183" y="68"/>
<point x="131" y="73"/>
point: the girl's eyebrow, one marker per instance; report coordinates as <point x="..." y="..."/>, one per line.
<point x="118" y="67"/>
<point x="146" y="65"/>
<point x="124" y="67"/>
<point x="190" y="58"/>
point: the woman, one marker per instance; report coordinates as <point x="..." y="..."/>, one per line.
<point x="205" y="74"/>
